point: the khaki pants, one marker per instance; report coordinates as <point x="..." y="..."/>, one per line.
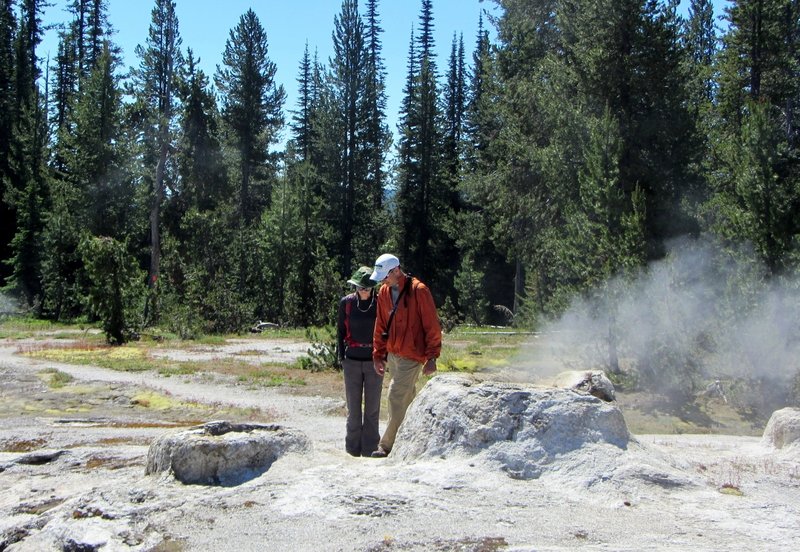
<point x="402" y="390"/>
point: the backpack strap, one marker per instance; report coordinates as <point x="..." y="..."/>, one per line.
<point x="394" y="308"/>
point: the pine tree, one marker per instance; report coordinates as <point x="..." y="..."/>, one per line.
<point x="377" y="137"/>
<point x="251" y="107"/>
<point x="301" y="125"/>
<point x="755" y="154"/>
<point x="155" y="84"/>
<point x="759" y="60"/>
<point x="8" y="102"/>
<point x="407" y="148"/>
<point x="27" y="183"/>
<point x="562" y="65"/>
<point x="512" y="124"/>
<point x="95" y="163"/>
<point x="91" y="191"/>
<point x="98" y="33"/>
<point x="87" y="195"/>
<point x="79" y="49"/>
<point x="628" y="56"/>
<point x="476" y="133"/>
<point x="430" y="141"/>
<point x="64" y="82"/>
<point x="422" y="201"/>
<point x="605" y="226"/>
<point x="455" y="93"/>
<point x="115" y="284"/>
<point x="756" y="196"/>
<point x="484" y="274"/>
<point x="305" y="197"/>
<point x="454" y="103"/>
<point x="88" y="33"/>
<point x="198" y="215"/>
<point x="200" y="162"/>
<point x="701" y="44"/>
<point x="252" y="112"/>
<point x="348" y="84"/>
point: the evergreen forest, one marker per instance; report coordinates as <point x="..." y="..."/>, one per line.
<point x="554" y="163"/>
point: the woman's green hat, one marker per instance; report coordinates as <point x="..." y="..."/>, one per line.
<point x="360" y="278"/>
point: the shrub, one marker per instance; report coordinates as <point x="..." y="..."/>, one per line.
<point x="116" y="287"/>
<point x="322" y="354"/>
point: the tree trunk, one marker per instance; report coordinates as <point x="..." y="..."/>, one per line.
<point x="155" y="234"/>
<point x="519" y="285"/>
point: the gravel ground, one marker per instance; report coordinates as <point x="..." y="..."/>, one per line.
<point x="72" y="470"/>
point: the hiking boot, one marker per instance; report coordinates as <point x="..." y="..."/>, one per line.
<point x="379" y="452"/>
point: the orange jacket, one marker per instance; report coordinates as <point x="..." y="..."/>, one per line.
<point x="415" y="332"/>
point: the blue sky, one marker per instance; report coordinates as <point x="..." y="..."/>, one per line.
<point x="205" y="26"/>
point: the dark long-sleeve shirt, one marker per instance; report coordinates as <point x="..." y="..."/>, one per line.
<point x="354" y="330"/>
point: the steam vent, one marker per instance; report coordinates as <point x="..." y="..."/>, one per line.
<point x="522" y="429"/>
<point x="222" y="453"/>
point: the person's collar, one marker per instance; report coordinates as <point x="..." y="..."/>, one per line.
<point x="401" y="281"/>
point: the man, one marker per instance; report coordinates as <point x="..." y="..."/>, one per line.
<point x="407" y="339"/>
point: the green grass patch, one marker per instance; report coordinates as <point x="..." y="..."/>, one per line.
<point x="56" y="378"/>
<point x="124" y="359"/>
<point x="171" y="368"/>
<point x="157" y="401"/>
<point x="268" y="378"/>
<point x="473" y="349"/>
<point x="151" y="400"/>
<point x="17" y="327"/>
<point x="730" y="489"/>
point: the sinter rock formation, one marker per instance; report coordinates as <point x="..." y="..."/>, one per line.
<point x="222" y="453"/>
<point x="520" y="428"/>
<point x="783" y="429"/>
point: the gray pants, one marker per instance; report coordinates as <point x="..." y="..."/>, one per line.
<point x="361" y="381"/>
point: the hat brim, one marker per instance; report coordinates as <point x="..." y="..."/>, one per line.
<point x="361" y="284"/>
<point x="379" y="275"/>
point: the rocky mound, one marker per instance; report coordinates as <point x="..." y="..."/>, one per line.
<point x="592" y="382"/>
<point x="521" y="428"/>
<point x="783" y="429"/>
<point x="222" y="453"/>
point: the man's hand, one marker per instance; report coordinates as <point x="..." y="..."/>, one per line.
<point x="430" y="367"/>
<point x="380" y="367"/>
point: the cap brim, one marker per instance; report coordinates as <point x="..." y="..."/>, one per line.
<point x="378" y="275"/>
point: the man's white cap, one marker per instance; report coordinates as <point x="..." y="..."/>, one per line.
<point x="383" y="265"/>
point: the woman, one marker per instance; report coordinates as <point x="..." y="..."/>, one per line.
<point x="355" y="324"/>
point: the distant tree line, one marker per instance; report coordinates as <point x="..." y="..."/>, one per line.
<point x="568" y="151"/>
